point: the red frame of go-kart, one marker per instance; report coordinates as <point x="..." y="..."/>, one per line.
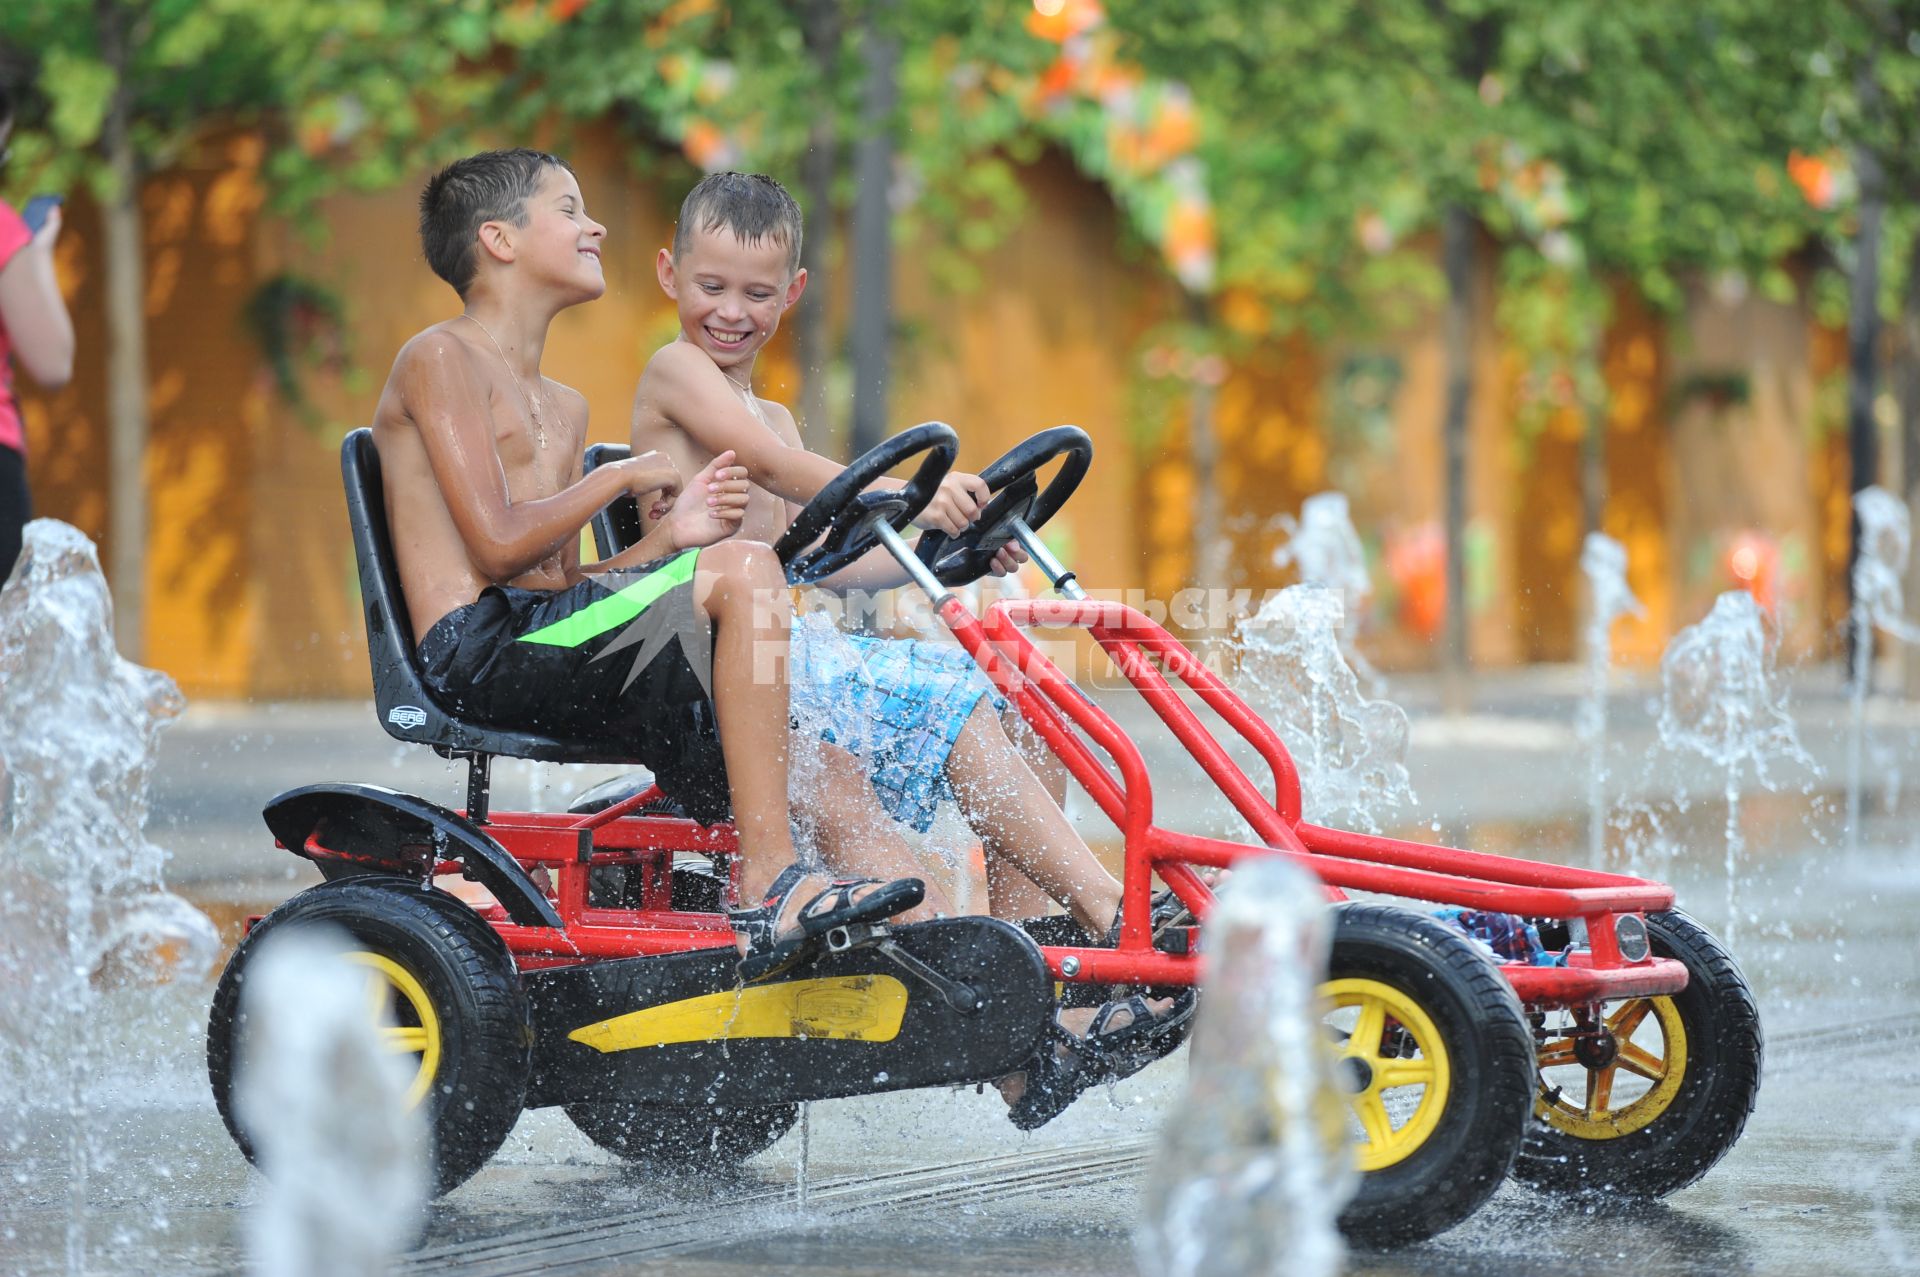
<point x="571" y="844"/>
<point x="1054" y="706"/>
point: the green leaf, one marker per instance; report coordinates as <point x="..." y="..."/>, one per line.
<point x="81" y="90"/>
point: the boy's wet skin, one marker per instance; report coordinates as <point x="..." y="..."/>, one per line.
<point x="731" y="293"/>
<point x="482" y="473"/>
<point x="506" y="520"/>
<point x="732" y="272"/>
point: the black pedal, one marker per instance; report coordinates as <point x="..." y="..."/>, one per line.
<point x="1176" y="940"/>
<point x="879" y="937"/>
<point x="864" y="935"/>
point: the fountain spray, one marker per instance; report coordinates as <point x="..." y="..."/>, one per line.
<point x="1253" y="1166"/>
<point x="1352" y="751"/>
<point x="1325" y="546"/>
<point x="1885" y="541"/>
<point x="324" y="1105"/>
<point x="1720" y="698"/>
<point x="1604" y="560"/>
<point x="82" y="908"/>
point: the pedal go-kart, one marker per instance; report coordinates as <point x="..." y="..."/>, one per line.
<point x="1630" y="1063"/>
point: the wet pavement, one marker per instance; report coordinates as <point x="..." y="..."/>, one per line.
<point x="1826" y="1179"/>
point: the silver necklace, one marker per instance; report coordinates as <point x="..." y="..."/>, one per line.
<point x="746" y="397"/>
<point x="539" y="426"/>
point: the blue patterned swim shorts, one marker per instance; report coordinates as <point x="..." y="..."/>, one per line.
<point x="896" y="704"/>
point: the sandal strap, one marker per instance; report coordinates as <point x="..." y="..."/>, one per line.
<point x="839" y="895"/>
<point x="758" y="923"/>
<point x="1135" y="1005"/>
<point x="783" y="884"/>
<point x="1122" y="1052"/>
<point x="761" y="924"/>
<point x="1164" y="908"/>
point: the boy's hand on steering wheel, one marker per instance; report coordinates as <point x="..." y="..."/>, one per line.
<point x="956" y="505"/>
<point x="712" y="506"/>
<point x="1007" y="560"/>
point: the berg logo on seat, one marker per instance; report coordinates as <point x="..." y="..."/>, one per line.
<point x="407" y="716"/>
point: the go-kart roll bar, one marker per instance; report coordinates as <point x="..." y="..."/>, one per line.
<point x="1050" y="702"/>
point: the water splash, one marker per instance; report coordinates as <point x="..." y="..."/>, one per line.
<point x="1326" y="548"/>
<point x="1885" y="542"/>
<point x="82" y="908"/>
<point x="1253" y="1164"/>
<point x="803" y="1171"/>
<point x="1895" y="1242"/>
<point x="1351" y="750"/>
<point x="1721" y="699"/>
<point x="822" y="655"/>
<point x="1604" y="560"/>
<point x="325" y="1107"/>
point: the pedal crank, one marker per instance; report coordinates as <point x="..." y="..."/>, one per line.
<point x="879" y="937"/>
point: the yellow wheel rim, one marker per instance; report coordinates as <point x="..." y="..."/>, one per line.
<point x="1386" y="1025"/>
<point x="404" y="1013"/>
<point x="1648" y="1067"/>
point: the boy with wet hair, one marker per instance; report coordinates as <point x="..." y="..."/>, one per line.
<point x="651" y="652"/>
<point x="920" y="715"/>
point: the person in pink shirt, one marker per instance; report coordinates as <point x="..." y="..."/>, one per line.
<point x="35" y="332"/>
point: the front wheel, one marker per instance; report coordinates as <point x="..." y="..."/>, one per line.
<point x="448" y="998"/>
<point x="654" y="1133"/>
<point x="1647" y="1098"/>
<point x="1438" y="1067"/>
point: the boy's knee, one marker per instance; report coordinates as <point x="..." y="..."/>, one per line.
<point x="752" y="562"/>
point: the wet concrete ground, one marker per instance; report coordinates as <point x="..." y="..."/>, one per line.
<point x="1825" y="1180"/>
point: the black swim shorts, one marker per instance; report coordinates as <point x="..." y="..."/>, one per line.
<point x="622" y="661"/>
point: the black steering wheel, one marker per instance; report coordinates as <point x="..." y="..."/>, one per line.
<point x="1017" y="495"/>
<point x="841" y="516"/>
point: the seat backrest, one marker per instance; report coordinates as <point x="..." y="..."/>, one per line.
<point x="618" y="525"/>
<point x="407" y="709"/>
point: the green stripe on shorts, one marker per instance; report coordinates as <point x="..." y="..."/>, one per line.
<point x="617" y="608"/>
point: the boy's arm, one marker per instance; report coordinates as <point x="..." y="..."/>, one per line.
<point x="446" y="401"/>
<point x="710" y="509"/>
<point x="688" y="389"/>
<point x="877" y="569"/>
<point x="874" y="570"/>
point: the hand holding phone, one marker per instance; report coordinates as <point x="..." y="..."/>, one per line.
<point x="38" y="209"/>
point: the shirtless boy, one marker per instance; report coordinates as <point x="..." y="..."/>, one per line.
<point x="732" y="271"/>
<point x="481" y="458"/>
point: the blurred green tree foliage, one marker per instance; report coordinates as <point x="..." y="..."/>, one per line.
<point x="1857" y="162"/>
<point x="778" y="87"/>
<point x="350" y="92"/>
<point x="1290" y="164"/>
<point x="1587" y="145"/>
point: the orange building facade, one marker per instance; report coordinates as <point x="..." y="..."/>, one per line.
<point x="250" y="582"/>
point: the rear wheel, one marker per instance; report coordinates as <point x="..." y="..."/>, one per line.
<point x="447" y="996"/>
<point x="1437" y="1063"/>
<point x="720" y="1137"/>
<point x="1648" y="1097"/>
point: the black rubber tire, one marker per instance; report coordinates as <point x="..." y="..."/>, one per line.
<point x="1490" y="1056"/>
<point x="1718" y="1087"/>
<point x="681" y="1137"/>
<point x="467" y="973"/>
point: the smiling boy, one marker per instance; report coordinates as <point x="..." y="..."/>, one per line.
<point x="481" y="463"/>
<point x="920" y="715"/>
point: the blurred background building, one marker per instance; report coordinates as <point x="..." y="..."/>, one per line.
<point x="1248" y="291"/>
